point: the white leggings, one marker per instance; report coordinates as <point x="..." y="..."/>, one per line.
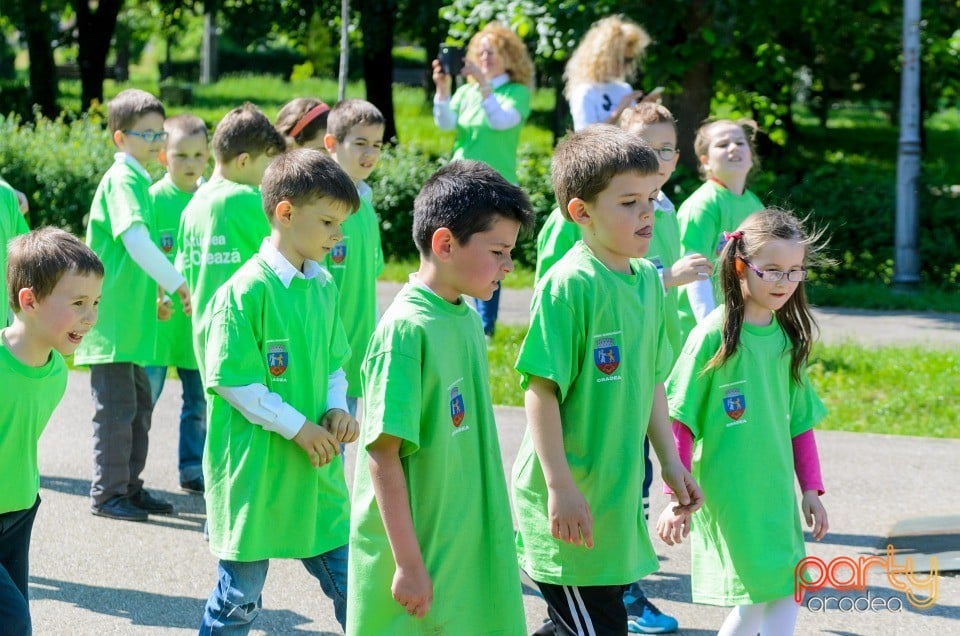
<point x="774" y="618"/>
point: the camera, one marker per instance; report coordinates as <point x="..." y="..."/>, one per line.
<point x="451" y="59"/>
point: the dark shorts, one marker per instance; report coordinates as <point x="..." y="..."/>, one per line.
<point x="585" y="610"/>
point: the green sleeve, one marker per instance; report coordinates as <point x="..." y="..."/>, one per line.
<point x="806" y="408"/>
<point x="700" y="223"/>
<point x="554" y="344"/>
<point x="128" y="200"/>
<point x="688" y="386"/>
<point x="392" y="390"/>
<point x="232" y="352"/>
<point x="518" y="97"/>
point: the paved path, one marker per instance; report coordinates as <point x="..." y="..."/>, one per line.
<point x="837" y="325"/>
<point x="96" y="576"/>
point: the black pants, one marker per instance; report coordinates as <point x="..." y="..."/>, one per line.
<point x="15" y="529"/>
<point x="578" y="611"/>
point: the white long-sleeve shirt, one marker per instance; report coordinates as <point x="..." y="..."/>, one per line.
<point x="498" y="116"/>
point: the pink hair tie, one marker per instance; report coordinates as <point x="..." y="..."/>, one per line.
<point x="308" y="117"/>
<point x="727" y="236"/>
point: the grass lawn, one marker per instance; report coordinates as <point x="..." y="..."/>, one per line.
<point x="891" y="390"/>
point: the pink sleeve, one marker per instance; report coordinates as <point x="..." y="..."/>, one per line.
<point x="683" y="438"/>
<point x="806" y="462"/>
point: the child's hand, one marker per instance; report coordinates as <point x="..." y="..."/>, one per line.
<point x="684" y="487"/>
<point x="570" y="518"/>
<point x="413" y="589"/>
<point x="814" y="513"/>
<point x="688" y="269"/>
<point x="342" y="425"/>
<point x="626" y="101"/>
<point x="319" y="444"/>
<point x="184" y="295"/>
<point x="442" y="80"/>
<point x="23" y="202"/>
<point x="164" y="309"/>
<point x="673" y="525"/>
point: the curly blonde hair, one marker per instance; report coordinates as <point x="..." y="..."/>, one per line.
<point x="510" y="48"/>
<point x="610" y="50"/>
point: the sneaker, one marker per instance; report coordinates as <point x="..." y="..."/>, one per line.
<point x="119" y="508"/>
<point x="148" y="503"/>
<point x="193" y="486"/>
<point x="651" y="621"/>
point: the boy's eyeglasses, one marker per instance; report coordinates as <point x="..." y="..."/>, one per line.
<point x="774" y="275"/>
<point x="147" y="135"/>
<point x="666" y="153"/>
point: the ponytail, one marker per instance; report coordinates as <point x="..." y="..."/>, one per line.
<point x="731" y="267"/>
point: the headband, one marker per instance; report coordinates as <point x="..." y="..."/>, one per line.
<point x="732" y="235"/>
<point x="309" y="116"/>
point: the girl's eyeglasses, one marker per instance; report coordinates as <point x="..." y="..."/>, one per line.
<point x="147" y="135"/>
<point x="774" y="275"/>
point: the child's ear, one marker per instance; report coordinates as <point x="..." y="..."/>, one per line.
<point x="284" y="212"/>
<point x="27" y="300"/>
<point x="579" y="214"/>
<point x="442" y="243"/>
<point x="118" y="138"/>
<point x="242" y="160"/>
<point x="330" y="143"/>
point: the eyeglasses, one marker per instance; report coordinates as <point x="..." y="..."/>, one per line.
<point x="774" y="275"/>
<point x="147" y="135"/>
<point x="666" y="153"/>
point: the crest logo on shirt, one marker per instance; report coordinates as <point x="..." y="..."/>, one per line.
<point x="339" y="252"/>
<point x="606" y="355"/>
<point x="734" y="403"/>
<point x="456" y="406"/>
<point x="277" y="359"/>
<point x="166" y="241"/>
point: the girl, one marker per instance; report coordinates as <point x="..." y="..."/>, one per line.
<point x="725" y="151"/>
<point x="597" y="73"/>
<point x="743" y="407"/>
<point x="303" y="123"/>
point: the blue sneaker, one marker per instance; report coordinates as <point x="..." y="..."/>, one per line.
<point x="651" y="621"/>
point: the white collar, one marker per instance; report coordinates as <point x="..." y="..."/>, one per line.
<point x="127" y="158"/>
<point x="663" y="203"/>
<point x="499" y="81"/>
<point x="365" y="191"/>
<point x="285" y="270"/>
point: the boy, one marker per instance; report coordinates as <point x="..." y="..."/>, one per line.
<point x="354" y="139"/>
<point x="185" y="156"/>
<point x="275" y="347"/>
<point x="54" y="284"/>
<point x="223" y="225"/>
<point x="12" y="225"/>
<point x="593" y="365"/>
<point x="122" y="232"/>
<point x="431" y="536"/>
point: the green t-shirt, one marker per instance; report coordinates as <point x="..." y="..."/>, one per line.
<point x="555" y="239"/>
<point x="355" y="262"/>
<point x="38" y="390"/>
<point x="599" y="335"/>
<point x="425" y="381"/>
<point x="174" y="338"/>
<point x="221" y="228"/>
<point x="664" y="251"/>
<point x="477" y="140"/>
<point x="264" y="498"/>
<point x="126" y="330"/>
<point x="704" y="217"/>
<point x="12" y="225"/>
<point x="746" y="540"/>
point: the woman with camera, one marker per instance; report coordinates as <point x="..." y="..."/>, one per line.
<point x="488" y="111"/>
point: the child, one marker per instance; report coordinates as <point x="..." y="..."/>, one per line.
<point x="354" y="139"/>
<point x="431" y="536"/>
<point x="592" y="366"/>
<point x="275" y="347"/>
<point x="122" y="232"/>
<point x="12" y="225"/>
<point x="739" y="401"/>
<point x="185" y="156"/>
<point x="54" y="284"/>
<point x="725" y="151"/>
<point x="223" y="226"/>
<point x="303" y="123"/>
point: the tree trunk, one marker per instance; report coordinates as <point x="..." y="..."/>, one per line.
<point x="95" y="30"/>
<point x="43" y="70"/>
<point x="378" y="19"/>
<point x="208" y="52"/>
<point x="691" y="108"/>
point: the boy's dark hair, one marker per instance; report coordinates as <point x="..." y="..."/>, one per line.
<point x="246" y="129"/>
<point x="303" y="175"/>
<point x="39" y="260"/>
<point x="349" y="113"/>
<point x="184" y="125"/>
<point x="302" y="119"/>
<point x="585" y="162"/>
<point x="466" y="197"/>
<point x="128" y="106"/>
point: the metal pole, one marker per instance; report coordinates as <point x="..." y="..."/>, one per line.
<point x="906" y="258"/>
<point x="344" y="49"/>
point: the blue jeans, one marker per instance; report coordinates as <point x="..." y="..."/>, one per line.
<point x="193" y="418"/>
<point x="488" y="310"/>
<point x="235" y="602"/>
<point x="15" y="530"/>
